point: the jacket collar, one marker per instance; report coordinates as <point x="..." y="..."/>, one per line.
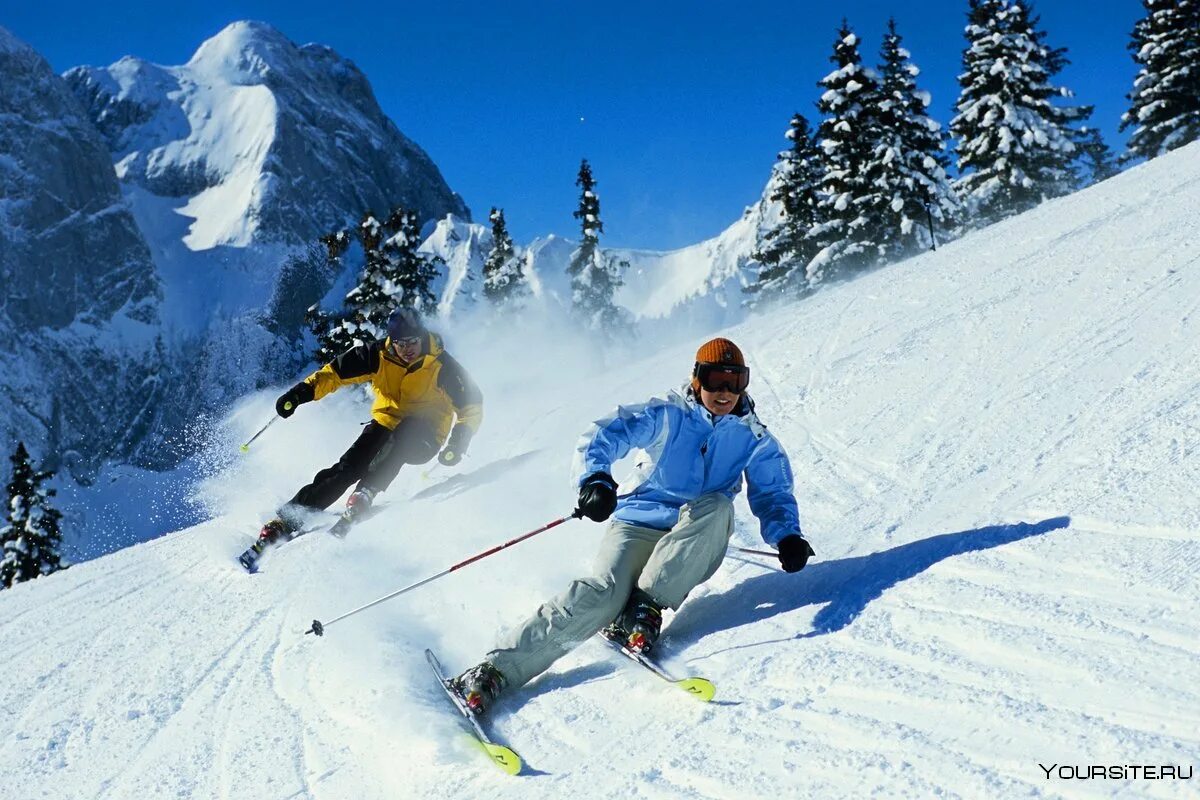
<point x="743" y="412"/>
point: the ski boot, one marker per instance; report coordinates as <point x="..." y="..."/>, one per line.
<point x="272" y="533"/>
<point x="357" y="504"/>
<point x="642" y="620"/>
<point x="615" y="633"/>
<point x="478" y="687"/>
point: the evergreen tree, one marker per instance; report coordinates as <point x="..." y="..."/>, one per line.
<point x="1095" y="162"/>
<point x="1015" y="147"/>
<point x="1164" y="106"/>
<point x="595" y="276"/>
<point x="330" y="340"/>
<point x="31" y="538"/>
<point x="503" y="280"/>
<point x="787" y="248"/>
<point x="909" y="164"/>
<point x="411" y="273"/>
<point x="850" y="211"/>
<point x="394" y="275"/>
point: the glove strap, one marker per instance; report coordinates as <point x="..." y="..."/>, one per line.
<point x="602" y="478"/>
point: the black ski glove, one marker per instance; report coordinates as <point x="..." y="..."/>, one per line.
<point x="794" y="551"/>
<point x="302" y="392"/>
<point x="598" y="496"/>
<point x="456" y="446"/>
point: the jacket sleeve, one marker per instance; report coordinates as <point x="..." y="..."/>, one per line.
<point x="771" y="492"/>
<point x="462" y="391"/>
<point x="610" y="439"/>
<point x="356" y="365"/>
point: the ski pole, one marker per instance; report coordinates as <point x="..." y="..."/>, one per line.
<point x="757" y="552"/>
<point x="319" y="627"/>
<point x="261" y="431"/>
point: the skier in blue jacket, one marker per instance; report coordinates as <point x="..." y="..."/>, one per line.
<point x="669" y="533"/>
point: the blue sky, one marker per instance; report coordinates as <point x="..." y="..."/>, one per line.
<point x="679" y="106"/>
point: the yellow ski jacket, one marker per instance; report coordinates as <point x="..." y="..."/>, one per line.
<point x="435" y="386"/>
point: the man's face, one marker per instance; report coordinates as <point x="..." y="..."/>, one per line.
<point x="407" y="350"/>
<point x="720" y="402"/>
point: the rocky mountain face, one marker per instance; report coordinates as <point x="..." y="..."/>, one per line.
<point x="156" y="233"/>
<point x="78" y="290"/>
<point x="69" y="247"/>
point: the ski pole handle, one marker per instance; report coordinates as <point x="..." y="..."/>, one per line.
<point x="319" y="627"/>
<point x="246" y="447"/>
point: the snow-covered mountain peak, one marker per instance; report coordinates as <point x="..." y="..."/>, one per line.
<point x="253" y="139"/>
<point x="243" y="49"/>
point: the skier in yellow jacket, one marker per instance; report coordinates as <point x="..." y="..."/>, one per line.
<point x="422" y="394"/>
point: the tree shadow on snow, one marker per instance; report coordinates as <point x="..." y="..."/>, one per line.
<point x="846" y="585"/>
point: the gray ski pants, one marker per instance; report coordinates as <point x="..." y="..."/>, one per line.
<point x="664" y="564"/>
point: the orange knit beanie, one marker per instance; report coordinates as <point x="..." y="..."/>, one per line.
<point x="717" y="351"/>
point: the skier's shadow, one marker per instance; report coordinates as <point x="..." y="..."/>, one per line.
<point x="458" y="484"/>
<point x="846" y="585"/>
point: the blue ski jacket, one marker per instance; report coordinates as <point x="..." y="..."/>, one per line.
<point x="686" y="453"/>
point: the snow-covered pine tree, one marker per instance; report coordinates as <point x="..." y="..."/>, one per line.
<point x="595" y="277"/>
<point x="31" y="538"/>
<point x="1015" y="147"/>
<point x="787" y="248"/>
<point x="910" y="160"/>
<point x="1095" y="161"/>
<point x="1164" y="106"/>
<point x="850" y="212"/>
<point x="412" y="273"/>
<point x="394" y="275"/>
<point x="503" y="280"/>
<point x="353" y="324"/>
<point x="330" y="340"/>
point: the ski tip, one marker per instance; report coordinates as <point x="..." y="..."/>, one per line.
<point x="503" y="757"/>
<point x="698" y="688"/>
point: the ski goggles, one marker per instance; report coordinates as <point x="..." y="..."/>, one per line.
<point x="404" y="343"/>
<point x="722" y="377"/>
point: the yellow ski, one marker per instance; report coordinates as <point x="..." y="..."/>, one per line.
<point x="501" y="756"/>
<point x="700" y="688"/>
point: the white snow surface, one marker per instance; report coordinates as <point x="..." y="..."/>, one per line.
<point x="996" y="451"/>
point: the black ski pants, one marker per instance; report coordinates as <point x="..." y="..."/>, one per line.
<point x="372" y="461"/>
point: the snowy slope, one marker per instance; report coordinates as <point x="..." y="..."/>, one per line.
<point x="996" y="451"/>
